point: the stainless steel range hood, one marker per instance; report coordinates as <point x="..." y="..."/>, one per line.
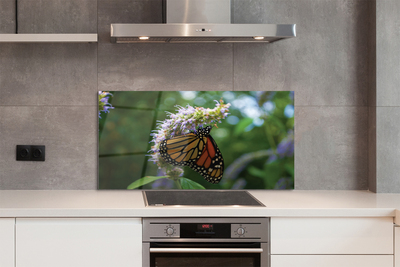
<point x="189" y="21"/>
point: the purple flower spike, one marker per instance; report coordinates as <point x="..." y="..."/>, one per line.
<point x="286" y="147"/>
<point x="104" y="106"/>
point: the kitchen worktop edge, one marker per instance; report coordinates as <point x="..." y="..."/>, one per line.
<point x="129" y="203"/>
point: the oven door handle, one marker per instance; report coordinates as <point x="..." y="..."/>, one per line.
<point x="206" y="250"/>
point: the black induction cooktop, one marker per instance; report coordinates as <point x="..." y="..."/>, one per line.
<point x="199" y="198"/>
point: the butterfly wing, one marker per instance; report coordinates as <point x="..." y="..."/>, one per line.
<point x="182" y="150"/>
<point x="210" y="164"/>
<point x="198" y="150"/>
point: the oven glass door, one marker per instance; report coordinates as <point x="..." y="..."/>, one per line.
<point x="205" y="254"/>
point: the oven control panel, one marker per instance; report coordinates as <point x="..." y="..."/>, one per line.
<point x="209" y="228"/>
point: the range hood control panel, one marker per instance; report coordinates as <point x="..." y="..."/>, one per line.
<point x="203" y="30"/>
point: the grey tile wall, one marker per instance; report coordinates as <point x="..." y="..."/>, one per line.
<point x="57" y="16"/>
<point x="388" y="149"/>
<point x="328" y="67"/>
<point x="372" y="156"/>
<point x="7" y="16"/>
<point x="388" y="56"/>
<point x="48" y="74"/>
<point x="372" y="179"/>
<point x="69" y="134"/>
<point x="48" y="97"/>
<point x="322" y="143"/>
<point x="126" y="11"/>
<point x="165" y="67"/>
<point x="48" y="91"/>
<point x="387" y="138"/>
<point x="325" y="65"/>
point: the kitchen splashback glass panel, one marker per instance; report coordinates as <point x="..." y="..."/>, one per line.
<point x="196" y="140"/>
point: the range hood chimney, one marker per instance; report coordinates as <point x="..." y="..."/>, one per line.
<point x="199" y="21"/>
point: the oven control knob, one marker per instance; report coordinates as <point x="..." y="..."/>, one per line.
<point x="240" y="231"/>
<point x="170" y="231"/>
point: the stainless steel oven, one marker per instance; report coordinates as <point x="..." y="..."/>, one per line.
<point x="192" y="242"/>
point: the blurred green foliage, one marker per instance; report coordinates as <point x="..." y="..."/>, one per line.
<point x="256" y="139"/>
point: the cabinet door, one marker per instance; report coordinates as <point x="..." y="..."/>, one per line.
<point x="7" y="234"/>
<point x="78" y="242"/>
<point x="397" y="246"/>
<point x="332" y="235"/>
<point x="332" y="260"/>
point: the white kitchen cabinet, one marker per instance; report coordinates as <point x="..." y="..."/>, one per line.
<point x="332" y="236"/>
<point x="397" y="246"/>
<point x="78" y="242"/>
<point x="332" y="260"/>
<point x="7" y="244"/>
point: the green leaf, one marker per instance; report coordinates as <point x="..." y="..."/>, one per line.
<point x="256" y="172"/>
<point x="277" y="122"/>
<point x="189" y="184"/>
<point x="144" y="180"/>
<point x="290" y="169"/>
<point x="274" y="171"/>
<point x="242" y="125"/>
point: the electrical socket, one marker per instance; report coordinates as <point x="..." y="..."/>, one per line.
<point x="31" y="153"/>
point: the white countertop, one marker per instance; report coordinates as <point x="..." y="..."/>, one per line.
<point x="129" y="203"/>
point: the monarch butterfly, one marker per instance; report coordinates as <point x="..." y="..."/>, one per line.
<point x="197" y="150"/>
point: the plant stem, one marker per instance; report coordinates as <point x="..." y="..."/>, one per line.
<point x="270" y="137"/>
<point x="178" y="183"/>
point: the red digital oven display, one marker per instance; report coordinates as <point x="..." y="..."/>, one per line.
<point x="205" y="226"/>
